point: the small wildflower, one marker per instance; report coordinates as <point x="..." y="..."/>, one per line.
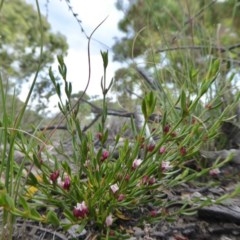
<point x="114" y="188"/>
<point x="162" y="150"/>
<point x="150" y="147"/>
<point x="67" y="183"/>
<point x="105" y="155"/>
<point x="166" y="166"/>
<point x="153" y="213"/>
<point x="145" y="180"/>
<point x="54" y="176"/>
<point x="214" y="172"/>
<point x="121" y="197"/>
<point x="148" y="180"/>
<point x="81" y="210"/>
<point x="136" y="163"/>
<point x="109" y="220"/>
<point x="151" y="180"/>
<point x="166" y="128"/>
<point x="183" y="151"/>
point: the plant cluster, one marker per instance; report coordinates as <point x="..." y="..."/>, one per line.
<point x="93" y="188"/>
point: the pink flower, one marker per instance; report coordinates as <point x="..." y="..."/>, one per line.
<point x="67" y="183"/>
<point x="145" y="179"/>
<point x="214" y="172"/>
<point x="54" y="176"/>
<point x="114" y="188"/>
<point x="121" y="197"/>
<point x="151" y="180"/>
<point x="136" y="163"/>
<point x="166" y="166"/>
<point x="109" y="220"/>
<point x="162" y="150"/>
<point x="148" y="180"/>
<point x="154" y="213"/>
<point x="81" y="210"/>
<point x="105" y="155"/>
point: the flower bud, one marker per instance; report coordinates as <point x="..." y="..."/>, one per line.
<point x="183" y="151"/>
<point x="150" y="147"/>
<point x="214" y="172"/>
<point x="105" y="155"/>
<point x="67" y="183"/>
<point x="166" y="128"/>
<point x="54" y="176"/>
<point x="121" y="197"/>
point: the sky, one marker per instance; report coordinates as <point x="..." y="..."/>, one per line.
<point x="91" y="13"/>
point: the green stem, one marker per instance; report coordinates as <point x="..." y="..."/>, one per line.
<point x="1" y="4"/>
<point x="8" y="218"/>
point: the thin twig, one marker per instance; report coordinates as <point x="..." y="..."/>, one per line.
<point x="149" y="80"/>
<point x="48" y="128"/>
<point x="219" y="49"/>
<point x="91" y="124"/>
<point x="75" y="15"/>
<point x="199" y="12"/>
<point x="188" y="48"/>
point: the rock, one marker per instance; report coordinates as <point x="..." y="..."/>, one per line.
<point x="234" y="154"/>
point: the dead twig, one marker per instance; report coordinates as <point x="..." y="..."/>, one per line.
<point x="201" y="47"/>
